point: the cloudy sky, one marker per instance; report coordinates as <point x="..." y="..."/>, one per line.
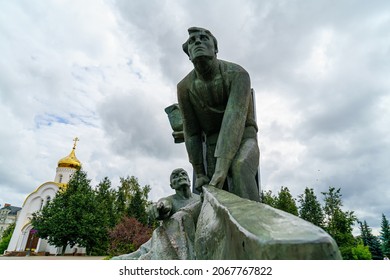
<point x="104" y="71"/>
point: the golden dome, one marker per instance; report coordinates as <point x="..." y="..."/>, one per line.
<point x="71" y="160"/>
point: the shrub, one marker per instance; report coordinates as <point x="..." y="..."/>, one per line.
<point x="128" y="236"/>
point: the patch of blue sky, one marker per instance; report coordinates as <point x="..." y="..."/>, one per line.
<point x="49" y="120"/>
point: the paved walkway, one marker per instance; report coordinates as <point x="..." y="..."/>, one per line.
<point x="54" y="258"/>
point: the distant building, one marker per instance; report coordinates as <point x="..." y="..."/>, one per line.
<point x="24" y="239"/>
<point x="8" y="215"/>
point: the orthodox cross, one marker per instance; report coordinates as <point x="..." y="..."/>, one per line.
<point x="75" y="142"/>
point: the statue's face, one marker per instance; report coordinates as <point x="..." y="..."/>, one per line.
<point x="179" y="178"/>
<point x="200" y="44"/>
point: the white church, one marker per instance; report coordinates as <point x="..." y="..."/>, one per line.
<point x="24" y="241"/>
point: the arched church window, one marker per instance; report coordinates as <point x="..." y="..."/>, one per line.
<point x="60" y="178"/>
<point x="48" y="198"/>
<point x="40" y="207"/>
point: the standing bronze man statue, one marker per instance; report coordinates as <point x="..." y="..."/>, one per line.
<point x="219" y="125"/>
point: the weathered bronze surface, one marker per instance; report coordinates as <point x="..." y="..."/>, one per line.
<point x="219" y="125"/>
<point x="175" y="237"/>
<point x="176" y="122"/>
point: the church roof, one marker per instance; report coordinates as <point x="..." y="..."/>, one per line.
<point x="70" y="160"/>
<point x="44" y="186"/>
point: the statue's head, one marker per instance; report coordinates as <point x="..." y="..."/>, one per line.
<point x="200" y="43"/>
<point x="179" y="177"/>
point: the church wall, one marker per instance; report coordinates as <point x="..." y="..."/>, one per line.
<point x="63" y="174"/>
<point x="17" y="236"/>
<point x="32" y="204"/>
<point x="42" y="245"/>
<point x="23" y="241"/>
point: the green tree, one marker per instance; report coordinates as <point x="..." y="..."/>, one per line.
<point x="132" y="199"/>
<point x="72" y="217"/>
<point x="370" y="240"/>
<point x="339" y="223"/>
<point x="361" y="251"/>
<point x="137" y="208"/>
<point x="53" y="225"/>
<point x="286" y="202"/>
<point x="385" y="236"/>
<point x="120" y="203"/>
<point x="268" y="198"/>
<point x="6" y="238"/>
<point x="105" y="199"/>
<point x="310" y="208"/>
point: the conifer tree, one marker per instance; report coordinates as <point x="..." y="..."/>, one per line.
<point x="385" y="236"/>
<point x="370" y="240"/>
<point x="105" y="199"/>
<point x="133" y="199"/>
<point x="310" y="208"/>
<point x="286" y="202"/>
<point x="339" y="223"/>
<point x="138" y="208"/>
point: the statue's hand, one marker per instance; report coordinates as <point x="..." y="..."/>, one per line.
<point x="163" y="208"/>
<point x="201" y="180"/>
<point x="152" y="211"/>
<point x="160" y="210"/>
<point x="218" y="180"/>
<point x="220" y="174"/>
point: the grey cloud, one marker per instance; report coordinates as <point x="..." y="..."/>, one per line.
<point x="156" y="26"/>
<point x="136" y="124"/>
<point x="332" y="117"/>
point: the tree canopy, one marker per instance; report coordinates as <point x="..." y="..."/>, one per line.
<point x="371" y="241"/>
<point x="132" y="199"/>
<point x="283" y="201"/>
<point x="70" y="218"/>
<point x="385" y="236"/>
<point x="310" y="208"/>
<point x="286" y="202"/>
<point x="6" y="237"/>
<point x="85" y="216"/>
<point x="338" y="223"/>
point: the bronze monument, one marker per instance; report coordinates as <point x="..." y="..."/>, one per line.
<point x="219" y="125"/>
